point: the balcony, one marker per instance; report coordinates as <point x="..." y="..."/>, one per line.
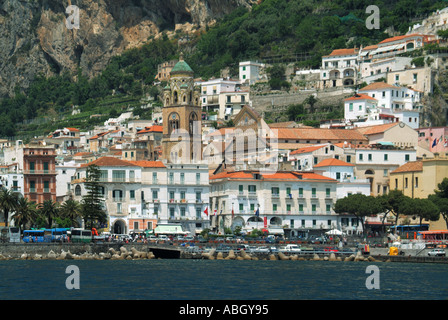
<point x="39" y="172"/>
<point x="252" y="194"/>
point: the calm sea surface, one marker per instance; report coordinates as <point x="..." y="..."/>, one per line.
<point x="221" y="280"/>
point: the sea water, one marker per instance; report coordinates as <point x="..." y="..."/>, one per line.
<point x="182" y="279"/>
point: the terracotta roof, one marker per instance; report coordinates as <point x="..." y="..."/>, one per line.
<point x="73" y="129"/>
<point x="376" y="129"/>
<point x="154" y="128"/>
<point x="110" y="162"/>
<point x="410" y="166"/>
<point x="306" y="149"/>
<point x="360" y="96"/>
<point x="377" y="86"/>
<point x="80" y="154"/>
<point x="283" y="175"/>
<point x="397" y="38"/>
<point x="343" y="52"/>
<point x="333" y="162"/>
<point x="374" y="46"/>
<point x="319" y="134"/>
<point x="99" y="135"/>
<point x="148" y="164"/>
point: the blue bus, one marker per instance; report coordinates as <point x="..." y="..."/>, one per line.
<point x="410" y="231"/>
<point x="30" y="236"/>
<point x="57" y="234"/>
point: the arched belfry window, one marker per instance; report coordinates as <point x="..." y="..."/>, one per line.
<point x="173" y="122"/>
<point x="176" y="98"/>
<point x="193" y="118"/>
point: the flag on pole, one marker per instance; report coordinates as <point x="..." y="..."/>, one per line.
<point x="233" y="213"/>
<point x="206" y="211"/>
<point x="257" y="213"/>
<point x="214" y="212"/>
<point x="434" y="143"/>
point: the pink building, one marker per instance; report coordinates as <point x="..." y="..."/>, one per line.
<point x="435" y="139"/>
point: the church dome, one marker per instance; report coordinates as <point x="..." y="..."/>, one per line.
<point x="181" y="67"/>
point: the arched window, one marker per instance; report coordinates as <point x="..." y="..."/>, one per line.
<point x="193" y="119"/>
<point x="78" y="190"/>
<point x="173" y="122"/>
<point x="176" y="98"/>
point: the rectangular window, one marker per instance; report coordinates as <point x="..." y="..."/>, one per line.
<point x="198" y="195"/>
<point x="313" y="192"/>
<point x="252" y="188"/>
<point x="385" y="157"/>
<point x="171" y="195"/>
<point x="182" y="212"/>
<point x="46" y="186"/>
<point x="300" y="192"/>
<point x="416" y="182"/>
<point x="198" y="178"/>
<point x="313" y="208"/>
<point x="135" y="224"/>
<point x="252" y="207"/>
<point x="328" y="208"/>
<point x="182" y="178"/>
<point x="275" y="191"/>
<point x="45" y="167"/>
<point x="360" y="157"/>
<point x="288" y="207"/>
<point x="350" y="107"/>
<point x="405" y="182"/>
<point x="241" y="189"/>
<point x="154" y="177"/>
<point x="327" y="192"/>
<point x="171" y="181"/>
<point x="300" y="207"/>
<point x="385" y="172"/>
<point x="171" y="213"/>
<point x="198" y="213"/>
<point x="118" y="175"/>
<point x="369" y="157"/>
<point x="241" y="207"/>
<point x="32" y="164"/>
<point x="132" y="194"/>
<point x="155" y="195"/>
<point x="182" y="195"/>
<point x="349" y="159"/>
<point x="274" y="207"/>
<point x="406" y="157"/>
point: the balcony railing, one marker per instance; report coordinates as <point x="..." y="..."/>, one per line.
<point x="39" y="171"/>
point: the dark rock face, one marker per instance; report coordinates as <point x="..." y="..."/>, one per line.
<point x="35" y="39"/>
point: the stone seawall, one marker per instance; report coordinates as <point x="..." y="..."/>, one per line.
<point x="16" y="250"/>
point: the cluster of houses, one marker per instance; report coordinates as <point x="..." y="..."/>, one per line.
<point x="282" y="177"/>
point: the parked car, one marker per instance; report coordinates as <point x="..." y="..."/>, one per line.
<point x="437" y="253"/>
<point x="262" y="249"/>
<point x="163" y="237"/>
<point x="274" y="250"/>
<point x="291" y="248"/>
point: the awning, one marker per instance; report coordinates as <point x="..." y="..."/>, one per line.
<point x="386" y="143"/>
<point x="276" y="231"/>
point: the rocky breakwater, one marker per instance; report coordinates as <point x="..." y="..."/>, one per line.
<point x="243" y="255"/>
<point x="111" y="254"/>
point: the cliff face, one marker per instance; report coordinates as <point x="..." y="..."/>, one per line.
<point x="34" y="38"/>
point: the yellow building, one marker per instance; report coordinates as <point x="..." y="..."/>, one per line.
<point x="419" y="179"/>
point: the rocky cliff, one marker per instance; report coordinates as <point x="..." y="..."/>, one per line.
<point x="34" y="38"/>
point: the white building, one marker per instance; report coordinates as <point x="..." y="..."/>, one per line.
<point x="140" y="194"/>
<point x="380" y="103"/>
<point x="340" y="68"/>
<point x="223" y="97"/>
<point x="65" y="173"/>
<point x="251" y="72"/>
<point x="287" y="202"/>
<point x="344" y="173"/>
<point x="11" y="178"/>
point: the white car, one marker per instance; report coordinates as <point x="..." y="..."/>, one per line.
<point x="437" y="253"/>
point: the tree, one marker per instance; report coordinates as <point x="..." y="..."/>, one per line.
<point x="392" y="203"/>
<point x="423" y="208"/>
<point x="440" y="199"/>
<point x="311" y="101"/>
<point x="8" y="203"/>
<point x="91" y="204"/>
<point x="25" y="212"/>
<point x="49" y="210"/>
<point x="358" y="205"/>
<point x="71" y="210"/>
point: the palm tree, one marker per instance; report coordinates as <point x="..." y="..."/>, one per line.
<point x="71" y="209"/>
<point x="25" y="212"/>
<point x="49" y="210"/>
<point x="8" y="202"/>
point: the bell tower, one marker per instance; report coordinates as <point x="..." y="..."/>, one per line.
<point x="182" y="137"/>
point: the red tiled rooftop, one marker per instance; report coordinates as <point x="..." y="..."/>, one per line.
<point x="109" y="162"/>
<point x="148" y="164"/>
<point x="410" y="166"/>
<point x="360" y="96"/>
<point x="333" y="162"/>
